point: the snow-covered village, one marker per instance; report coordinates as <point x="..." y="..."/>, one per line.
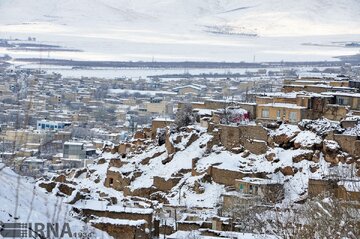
<point x="180" y="119"/>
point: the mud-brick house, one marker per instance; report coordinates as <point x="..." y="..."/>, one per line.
<point x="315" y="88"/>
<point x="191" y="222"/>
<point x="252" y="137"/>
<point x="159" y="123"/>
<point x="122" y="228"/>
<point x="350" y="99"/>
<point x="252" y="192"/>
<point x="279" y="106"/>
<point x="295" y="106"/>
<point x="267" y="190"/>
<point x="344" y="189"/>
<point x="291" y="113"/>
<point x="233" y="200"/>
<point x="193" y="89"/>
<point x="118" y="219"/>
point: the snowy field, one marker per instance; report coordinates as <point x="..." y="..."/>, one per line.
<point x="172" y="30"/>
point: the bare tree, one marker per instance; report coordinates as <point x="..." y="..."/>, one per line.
<point x="318" y="218"/>
<point x="184" y="116"/>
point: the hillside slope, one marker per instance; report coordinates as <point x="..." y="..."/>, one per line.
<point x="22" y="202"/>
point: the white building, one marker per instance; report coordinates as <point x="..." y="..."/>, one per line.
<point x="51" y="125"/>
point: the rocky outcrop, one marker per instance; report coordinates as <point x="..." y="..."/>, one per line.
<point x="303" y="156"/>
<point x="331" y="149"/>
<point x="287" y="171"/>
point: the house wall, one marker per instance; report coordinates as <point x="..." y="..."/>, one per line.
<point x="139" y="192"/>
<point x="118" y="182"/>
<point x="231" y="201"/>
<point x="339" y="83"/>
<point x="223" y="176"/>
<point x="284" y="113"/>
<point x="160" y="108"/>
<point x="165" y="184"/>
<point x="268" y="100"/>
<point x="348" y="143"/>
<point x="158" y="124"/>
<point x="334" y="112"/>
<point x="123" y="231"/>
<point x="120" y="215"/>
<point x="318" y="187"/>
<point x="189" y="90"/>
<point x="248" y="136"/>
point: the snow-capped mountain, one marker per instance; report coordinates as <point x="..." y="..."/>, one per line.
<point x="200" y="25"/>
<point x="269" y="17"/>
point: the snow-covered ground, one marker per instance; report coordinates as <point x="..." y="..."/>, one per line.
<point x="22" y="202"/>
<point x="174" y="30"/>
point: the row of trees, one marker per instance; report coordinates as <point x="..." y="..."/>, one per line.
<point x="318" y="218"/>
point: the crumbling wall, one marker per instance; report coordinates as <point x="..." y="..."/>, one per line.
<point x="165" y="185"/>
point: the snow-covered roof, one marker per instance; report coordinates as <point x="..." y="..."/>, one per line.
<point x="283" y="105"/>
<point x="259" y="181"/>
<point x="347" y="94"/>
<point x="163" y="119"/>
<point x="350" y="185"/>
<point x="102" y="206"/>
<point x="118" y="222"/>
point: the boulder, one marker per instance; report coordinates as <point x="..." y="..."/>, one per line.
<point x="314" y="168"/>
<point x="331" y="159"/>
<point x="60" y="179"/>
<point x="245" y="154"/>
<point x="48" y="186"/>
<point x="331" y="149"/>
<point x="76" y="198"/>
<point x="287" y="171"/>
<point x="65" y="189"/>
<point x="303" y="156"/>
<point x="237" y="150"/>
<point x="270" y="157"/>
